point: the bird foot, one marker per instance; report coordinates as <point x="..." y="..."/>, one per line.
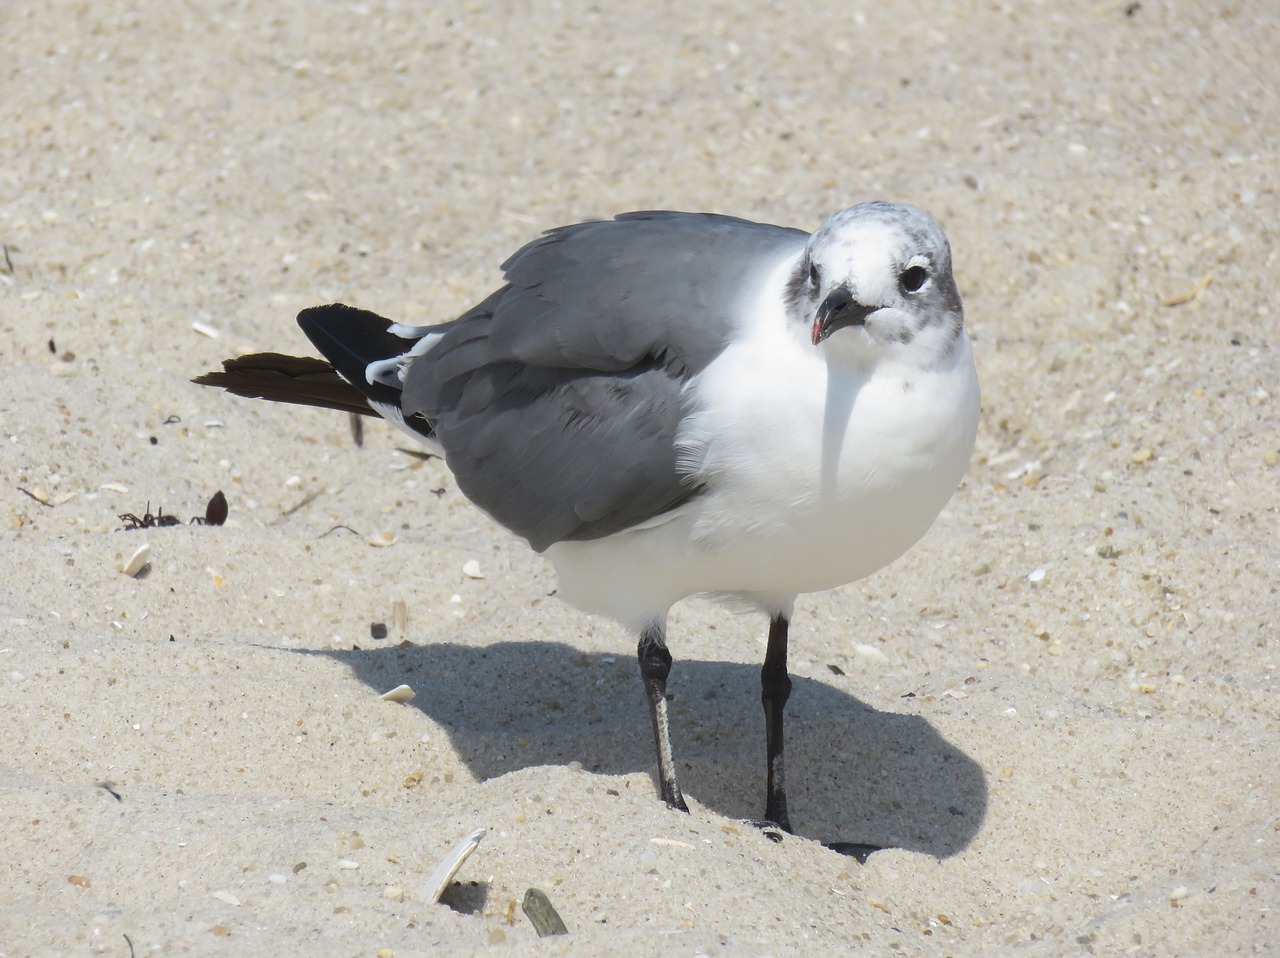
<point x="855" y="850"/>
<point x="774" y="831"/>
<point x="673" y="798"/>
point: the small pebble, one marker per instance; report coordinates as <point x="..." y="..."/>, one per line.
<point x="348" y="863"/>
<point x="1036" y="576"/>
<point x="393" y="893"/>
<point x="1179" y="893"/>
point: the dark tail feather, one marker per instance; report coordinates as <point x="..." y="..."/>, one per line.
<point x="291" y="379"/>
<point x="351" y="338"/>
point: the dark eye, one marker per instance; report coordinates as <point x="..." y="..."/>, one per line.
<point x="912" y="278"/>
<point x="813" y="275"/>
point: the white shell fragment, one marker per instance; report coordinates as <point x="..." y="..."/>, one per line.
<point x="471" y="569"/>
<point x="871" y="654"/>
<point x="401" y="693"/>
<point x="381" y="539"/>
<point x="672" y="842"/>
<point x="138" y="561"/>
<point x="449" y="866"/>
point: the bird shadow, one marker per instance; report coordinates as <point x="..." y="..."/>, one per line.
<point x="854" y="773"/>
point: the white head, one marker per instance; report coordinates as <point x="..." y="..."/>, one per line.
<point x="877" y="277"/>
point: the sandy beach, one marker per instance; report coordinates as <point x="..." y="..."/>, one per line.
<point x="1059" y="711"/>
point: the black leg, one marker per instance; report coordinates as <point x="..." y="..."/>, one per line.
<point x="775" y="689"/>
<point x="655" y="665"/>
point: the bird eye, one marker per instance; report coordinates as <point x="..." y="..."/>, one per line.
<point x="912" y="278"/>
<point x="813" y="275"/>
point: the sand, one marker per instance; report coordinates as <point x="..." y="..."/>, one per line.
<point x="1060" y="708"/>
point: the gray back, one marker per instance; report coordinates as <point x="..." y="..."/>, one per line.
<point x="558" y="398"/>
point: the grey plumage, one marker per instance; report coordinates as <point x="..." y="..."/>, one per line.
<point x="583" y="356"/>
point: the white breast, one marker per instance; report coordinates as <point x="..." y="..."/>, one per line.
<point x="828" y="472"/>
<point x="816" y="474"/>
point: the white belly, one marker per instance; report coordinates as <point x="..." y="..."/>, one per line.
<point x="814" y="478"/>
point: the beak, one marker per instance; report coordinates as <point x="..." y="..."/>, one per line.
<point x="838" y="310"/>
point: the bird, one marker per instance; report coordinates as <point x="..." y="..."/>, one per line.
<point x="666" y="404"/>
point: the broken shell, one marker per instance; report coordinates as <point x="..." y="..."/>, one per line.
<point x="381" y="539"/>
<point x="450" y="864"/>
<point x="542" y="914"/>
<point x="401" y="693"/>
<point x="138" y="561"/>
<point x="871" y="654"/>
<point x="471" y="569"/>
<point x="673" y="842"/>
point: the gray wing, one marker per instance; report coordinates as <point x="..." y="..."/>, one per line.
<point x="557" y="400"/>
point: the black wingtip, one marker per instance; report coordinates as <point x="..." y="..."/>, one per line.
<point x="351" y="339"/>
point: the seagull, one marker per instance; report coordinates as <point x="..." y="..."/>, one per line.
<point x="667" y="404"/>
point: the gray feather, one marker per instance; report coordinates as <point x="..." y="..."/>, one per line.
<point x="557" y="400"/>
